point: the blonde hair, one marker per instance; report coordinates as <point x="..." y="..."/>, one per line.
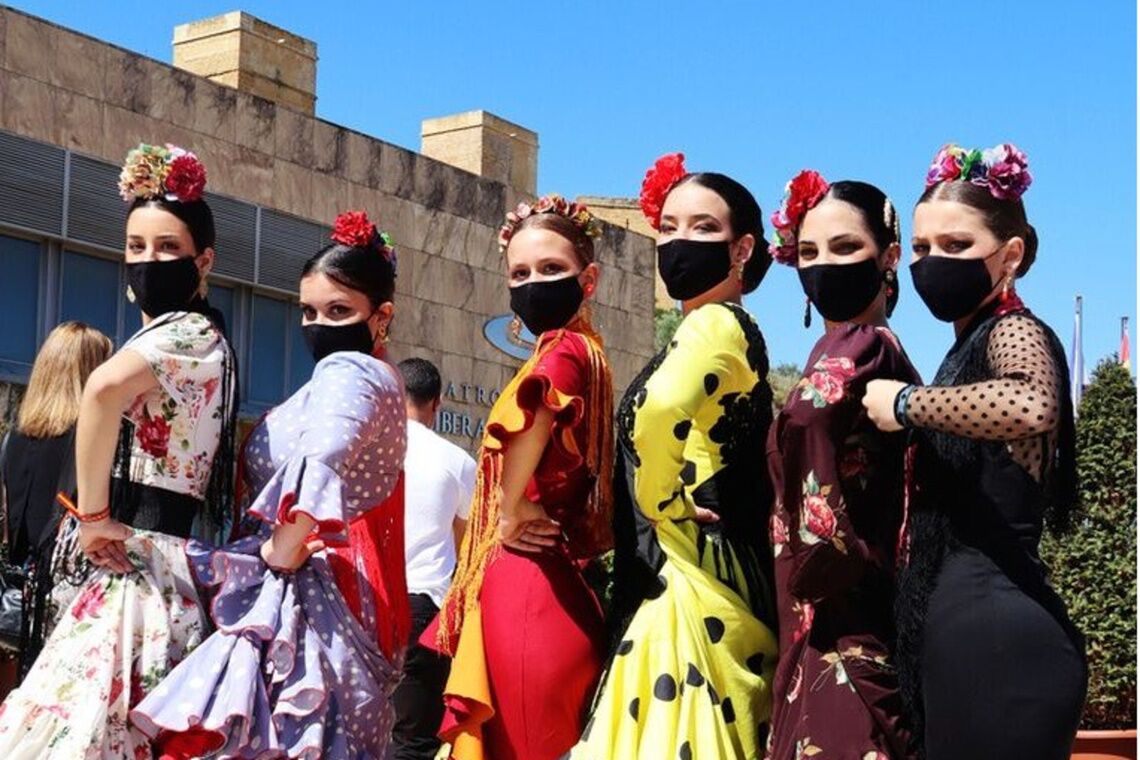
<point x="67" y="358"/>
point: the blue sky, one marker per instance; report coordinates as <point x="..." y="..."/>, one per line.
<point x="756" y="90"/>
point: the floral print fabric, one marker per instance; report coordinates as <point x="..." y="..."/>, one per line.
<point x="178" y="425"/>
<point x="839" y="507"/>
<point x="75" y="701"/>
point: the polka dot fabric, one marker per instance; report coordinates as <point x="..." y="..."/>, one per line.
<point x="1019" y="405"/>
<point x="290" y="670"/>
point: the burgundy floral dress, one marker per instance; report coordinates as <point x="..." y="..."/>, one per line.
<point x="834" y="531"/>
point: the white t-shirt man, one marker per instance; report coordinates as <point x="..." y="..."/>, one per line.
<point x="439" y="479"/>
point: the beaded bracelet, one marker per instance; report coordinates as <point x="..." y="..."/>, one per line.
<point x="902" y="398"/>
<point x="94" y="517"/>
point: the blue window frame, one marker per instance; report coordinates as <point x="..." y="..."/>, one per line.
<point x="300" y="360"/>
<point x="90" y="291"/>
<point x="19" y="292"/>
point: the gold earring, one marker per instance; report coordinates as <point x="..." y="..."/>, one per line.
<point x="203" y="288"/>
<point x="740" y="271"/>
<point x="515" y="329"/>
<point x="384" y="337"/>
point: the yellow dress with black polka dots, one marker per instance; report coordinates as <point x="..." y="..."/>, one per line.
<point x="691" y="673"/>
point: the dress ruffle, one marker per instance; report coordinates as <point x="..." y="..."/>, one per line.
<point x="535" y="391"/>
<point x="309" y="482"/>
<point x="264" y="684"/>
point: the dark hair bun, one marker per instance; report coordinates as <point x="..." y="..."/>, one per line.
<point x="744" y="217"/>
<point x="1030" y="249"/>
<point x="364" y="269"/>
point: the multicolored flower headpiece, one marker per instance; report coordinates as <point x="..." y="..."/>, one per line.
<point x="1003" y="169"/>
<point x="801" y="195"/>
<point x="662" y="177"/>
<point x="549" y="204"/>
<point x="170" y="172"/>
<point x="356" y="230"/>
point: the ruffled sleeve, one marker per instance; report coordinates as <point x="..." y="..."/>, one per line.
<point x="557" y="381"/>
<point x="185" y="351"/>
<point x="348" y="449"/>
<point x="707" y="346"/>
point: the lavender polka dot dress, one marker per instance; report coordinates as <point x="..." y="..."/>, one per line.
<point x="290" y="671"/>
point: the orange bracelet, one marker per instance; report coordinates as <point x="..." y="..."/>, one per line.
<point x="69" y="505"/>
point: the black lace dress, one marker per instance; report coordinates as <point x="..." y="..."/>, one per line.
<point x="990" y="664"/>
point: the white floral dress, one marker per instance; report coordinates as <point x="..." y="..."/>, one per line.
<point x="118" y="635"/>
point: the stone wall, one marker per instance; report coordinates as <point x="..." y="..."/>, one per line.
<point x="78" y="92"/>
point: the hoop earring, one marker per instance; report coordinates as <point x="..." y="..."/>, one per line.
<point x="807" y="312"/>
<point x="384" y="337"/>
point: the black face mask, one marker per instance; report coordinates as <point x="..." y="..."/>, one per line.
<point x="323" y="340"/>
<point x="691" y="267"/>
<point x="951" y="287"/>
<point x="547" y="305"/>
<point x="841" y="291"/>
<point x="162" y="286"/>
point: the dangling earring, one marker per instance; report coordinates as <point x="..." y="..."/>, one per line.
<point x="740" y="271"/>
<point x="515" y="328"/>
<point x="130" y="294"/>
<point x="383" y="337"/>
<point x="807" y="312"/>
<point x="203" y="288"/>
<point x="891" y="281"/>
<point x="1005" y="289"/>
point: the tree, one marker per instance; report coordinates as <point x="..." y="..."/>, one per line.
<point x="782" y="378"/>
<point x="1094" y="565"/>
<point x="665" y="322"/>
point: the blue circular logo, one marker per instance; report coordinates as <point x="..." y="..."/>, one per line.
<point x="497" y="331"/>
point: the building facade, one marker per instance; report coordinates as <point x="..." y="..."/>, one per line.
<point x="71" y="106"/>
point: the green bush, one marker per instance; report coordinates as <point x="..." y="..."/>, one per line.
<point x="1094" y="565"/>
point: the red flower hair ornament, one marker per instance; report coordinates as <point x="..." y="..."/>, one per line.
<point x="662" y="177"/>
<point x="802" y="194"/>
<point x="356" y="230"/>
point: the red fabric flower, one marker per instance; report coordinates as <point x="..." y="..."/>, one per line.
<point x="666" y="172"/>
<point x="818" y="517"/>
<point x="154" y="435"/>
<point x="354" y="229"/>
<point x="777" y="530"/>
<point x="806" y="190"/>
<point x="186" y="178"/>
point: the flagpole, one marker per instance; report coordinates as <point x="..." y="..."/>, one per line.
<point x="1077" y="360"/>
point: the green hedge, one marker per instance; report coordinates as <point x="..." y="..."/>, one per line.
<point x="1094" y="566"/>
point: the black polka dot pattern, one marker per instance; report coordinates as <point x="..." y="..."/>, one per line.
<point x="712" y="382"/>
<point x="727" y="709"/>
<point x="693" y="677"/>
<point x="755" y="663"/>
<point x="689" y="473"/>
<point x="634" y="708"/>
<point x="715" y="628"/>
<point x="682" y="428"/>
<point x="1019" y="405"/>
<point x="685" y="753"/>
<point x="624" y="648"/>
<point x="665" y="688"/>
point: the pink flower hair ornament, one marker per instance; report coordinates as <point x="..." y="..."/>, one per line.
<point x="170" y="172"/>
<point x="1003" y="169"/>
<point x="549" y="204"/>
<point x="801" y="195"/>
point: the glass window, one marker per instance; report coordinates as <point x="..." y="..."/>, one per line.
<point x="90" y="292"/>
<point x="222" y="299"/>
<point x="19" y="292"/>
<point x="267" y="352"/>
<point x="300" y="359"/>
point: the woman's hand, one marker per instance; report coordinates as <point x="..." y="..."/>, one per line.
<point x="879" y="401"/>
<point x="527" y="528"/>
<point x="286" y="556"/>
<point x="706" y="516"/>
<point x="102" y="543"/>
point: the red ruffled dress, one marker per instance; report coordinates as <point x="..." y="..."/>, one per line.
<point x="528" y="653"/>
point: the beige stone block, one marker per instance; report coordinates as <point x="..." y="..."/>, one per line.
<point x="255" y="122"/>
<point x="78" y="122"/>
<point x="407" y="261"/>
<point x="29" y="108"/>
<point x="292" y="188"/>
<point x="124" y="130"/>
<point x="219" y="157"/>
<point x="293" y="137"/>
<point x="480" y="241"/>
<point x="216" y="112"/>
<point x="441" y="281"/>
<point x="128" y="80"/>
<point x="4" y="14"/>
<point x="396" y="217"/>
<point x="397" y="171"/>
<point x="30" y="48"/>
<point x="329" y="147"/>
<point x="252" y="175"/>
<point x="489" y="295"/>
<point x="426" y="328"/>
<point x="79" y="64"/>
<point x="358" y="158"/>
<point x="174" y="95"/>
<point x="460" y="370"/>
<point x="330" y="198"/>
